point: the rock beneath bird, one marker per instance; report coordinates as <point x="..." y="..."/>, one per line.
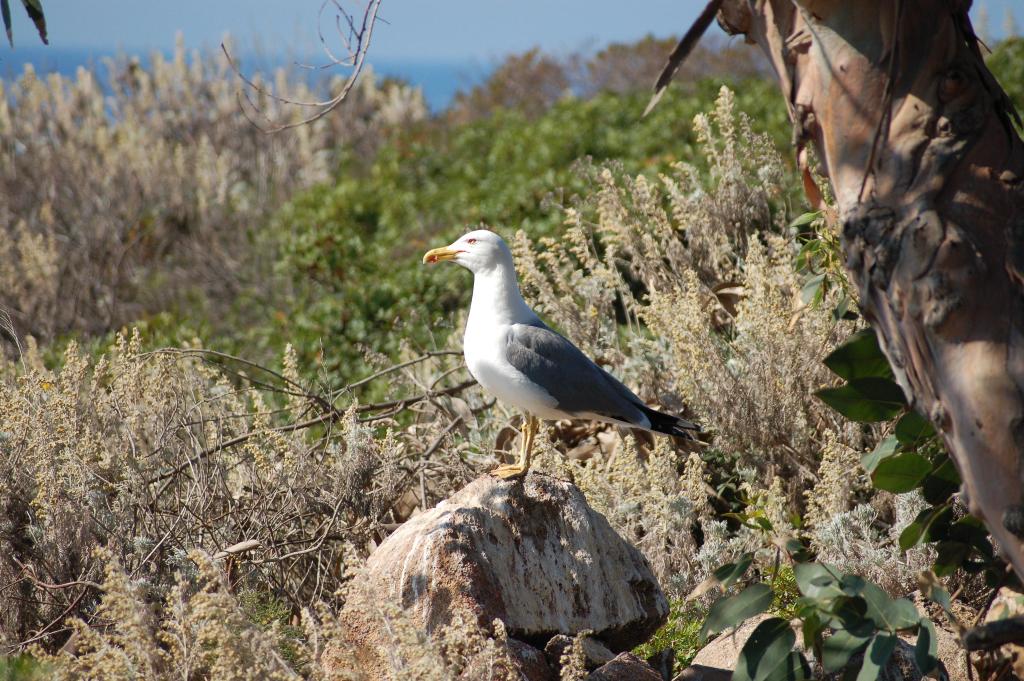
<point x="531" y="553"/>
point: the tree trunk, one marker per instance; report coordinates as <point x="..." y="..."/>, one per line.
<point x="917" y="140"/>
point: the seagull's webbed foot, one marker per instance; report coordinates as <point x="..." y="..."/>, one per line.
<point x="511" y="471"/>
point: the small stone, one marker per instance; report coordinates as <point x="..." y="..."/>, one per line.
<point x="697" y="672"/>
<point x="663" y="662"/>
<point x="595" y="653"/>
<point x="625" y="667"/>
<point x="530" y="664"/>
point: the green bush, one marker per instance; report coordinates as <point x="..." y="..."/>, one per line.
<point x="1007" y="64"/>
<point x="353" y="248"/>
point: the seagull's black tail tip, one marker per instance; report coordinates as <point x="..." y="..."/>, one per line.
<point x="671" y="425"/>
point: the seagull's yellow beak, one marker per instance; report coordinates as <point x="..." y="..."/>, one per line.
<point x="440" y="255"/>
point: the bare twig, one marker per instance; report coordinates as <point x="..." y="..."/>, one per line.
<point x="994" y="634"/>
<point x="386" y="409"/>
<point x="356" y="42"/>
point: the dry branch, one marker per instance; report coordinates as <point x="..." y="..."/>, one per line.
<point x="356" y="41"/>
<point x="329" y="412"/>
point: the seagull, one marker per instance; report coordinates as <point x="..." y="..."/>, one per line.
<point x="520" y="360"/>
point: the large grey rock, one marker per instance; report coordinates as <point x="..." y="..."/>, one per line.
<point x="531" y="553"/>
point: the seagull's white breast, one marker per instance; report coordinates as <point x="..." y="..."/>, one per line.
<point x="484" y="347"/>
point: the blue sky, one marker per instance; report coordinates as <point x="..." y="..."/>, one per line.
<point x="444" y="30"/>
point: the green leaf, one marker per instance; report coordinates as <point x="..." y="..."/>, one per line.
<point x="805" y="219"/>
<point x="817" y="581"/>
<point x="859" y="357"/>
<point x="866" y="400"/>
<point x="886" y="613"/>
<point x="729" y="611"/>
<point x="912" y="428"/>
<point x="920" y="530"/>
<point x="730" y="573"/>
<point x="798" y="551"/>
<point x="838" y="648"/>
<point x="876" y="656"/>
<point x="811" y="291"/>
<point x="900" y="473"/>
<point x="852" y="585"/>
<point x="849" y="613"/>
<point x="951" y="555"/>
<point x="767" y="649"/>
<point x="972" y="532"/>
<point x="793" y="668"/>
<point x="927" y="648"/>
<point x="812" y="626"/>
<point x="883" y="450"/>
<point x="932" y="589"/>
<point x="5" y="11"/>
<point x="841" y="307"/>
<point x="943" y="481"/>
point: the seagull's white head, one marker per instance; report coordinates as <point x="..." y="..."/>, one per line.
<point x="478" y="251"/>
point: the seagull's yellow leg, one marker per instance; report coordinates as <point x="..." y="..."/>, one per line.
<point x="515" y="470"/>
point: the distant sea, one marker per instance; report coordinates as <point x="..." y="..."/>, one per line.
<point x="440" y="80"/>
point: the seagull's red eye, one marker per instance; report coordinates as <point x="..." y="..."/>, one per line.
<point x="470" y="241"/>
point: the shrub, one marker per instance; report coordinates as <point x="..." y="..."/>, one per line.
<point x="146" y="191"/>
<point x="354" y="248"/>
<point x="153" y="455"/>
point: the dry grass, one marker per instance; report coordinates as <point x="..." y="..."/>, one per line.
<point x="121" y="476"/>
<point x="153" y="455"/>
<point x="148" y="197"/>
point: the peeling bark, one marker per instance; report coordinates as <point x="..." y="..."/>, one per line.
<point x="916" y="137"/>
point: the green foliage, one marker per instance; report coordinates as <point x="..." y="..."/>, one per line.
<point x="353" y="248"/>
<point x="766" y="651"/>
<point x="1007" y="64"/>
<point x="785" y="603"/>
<point x="730" y="611"/>
<point x="858" y="615"/>
<point x="730" y="573"/>
<point x="270" y="612"/>
<point x="681" y="632"/>
<point x="866" y="400"/>
<point x="844" y="615"/>
<point x="22" y="668"/>
<point x="870" y="394"/>
<point x="820" y="263"/>
<point x="912" y="457"/>
<point x="841" y="615"/>
<point x="859" y="357"/>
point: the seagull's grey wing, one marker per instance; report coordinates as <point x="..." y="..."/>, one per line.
<point x="580" y="386"/>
